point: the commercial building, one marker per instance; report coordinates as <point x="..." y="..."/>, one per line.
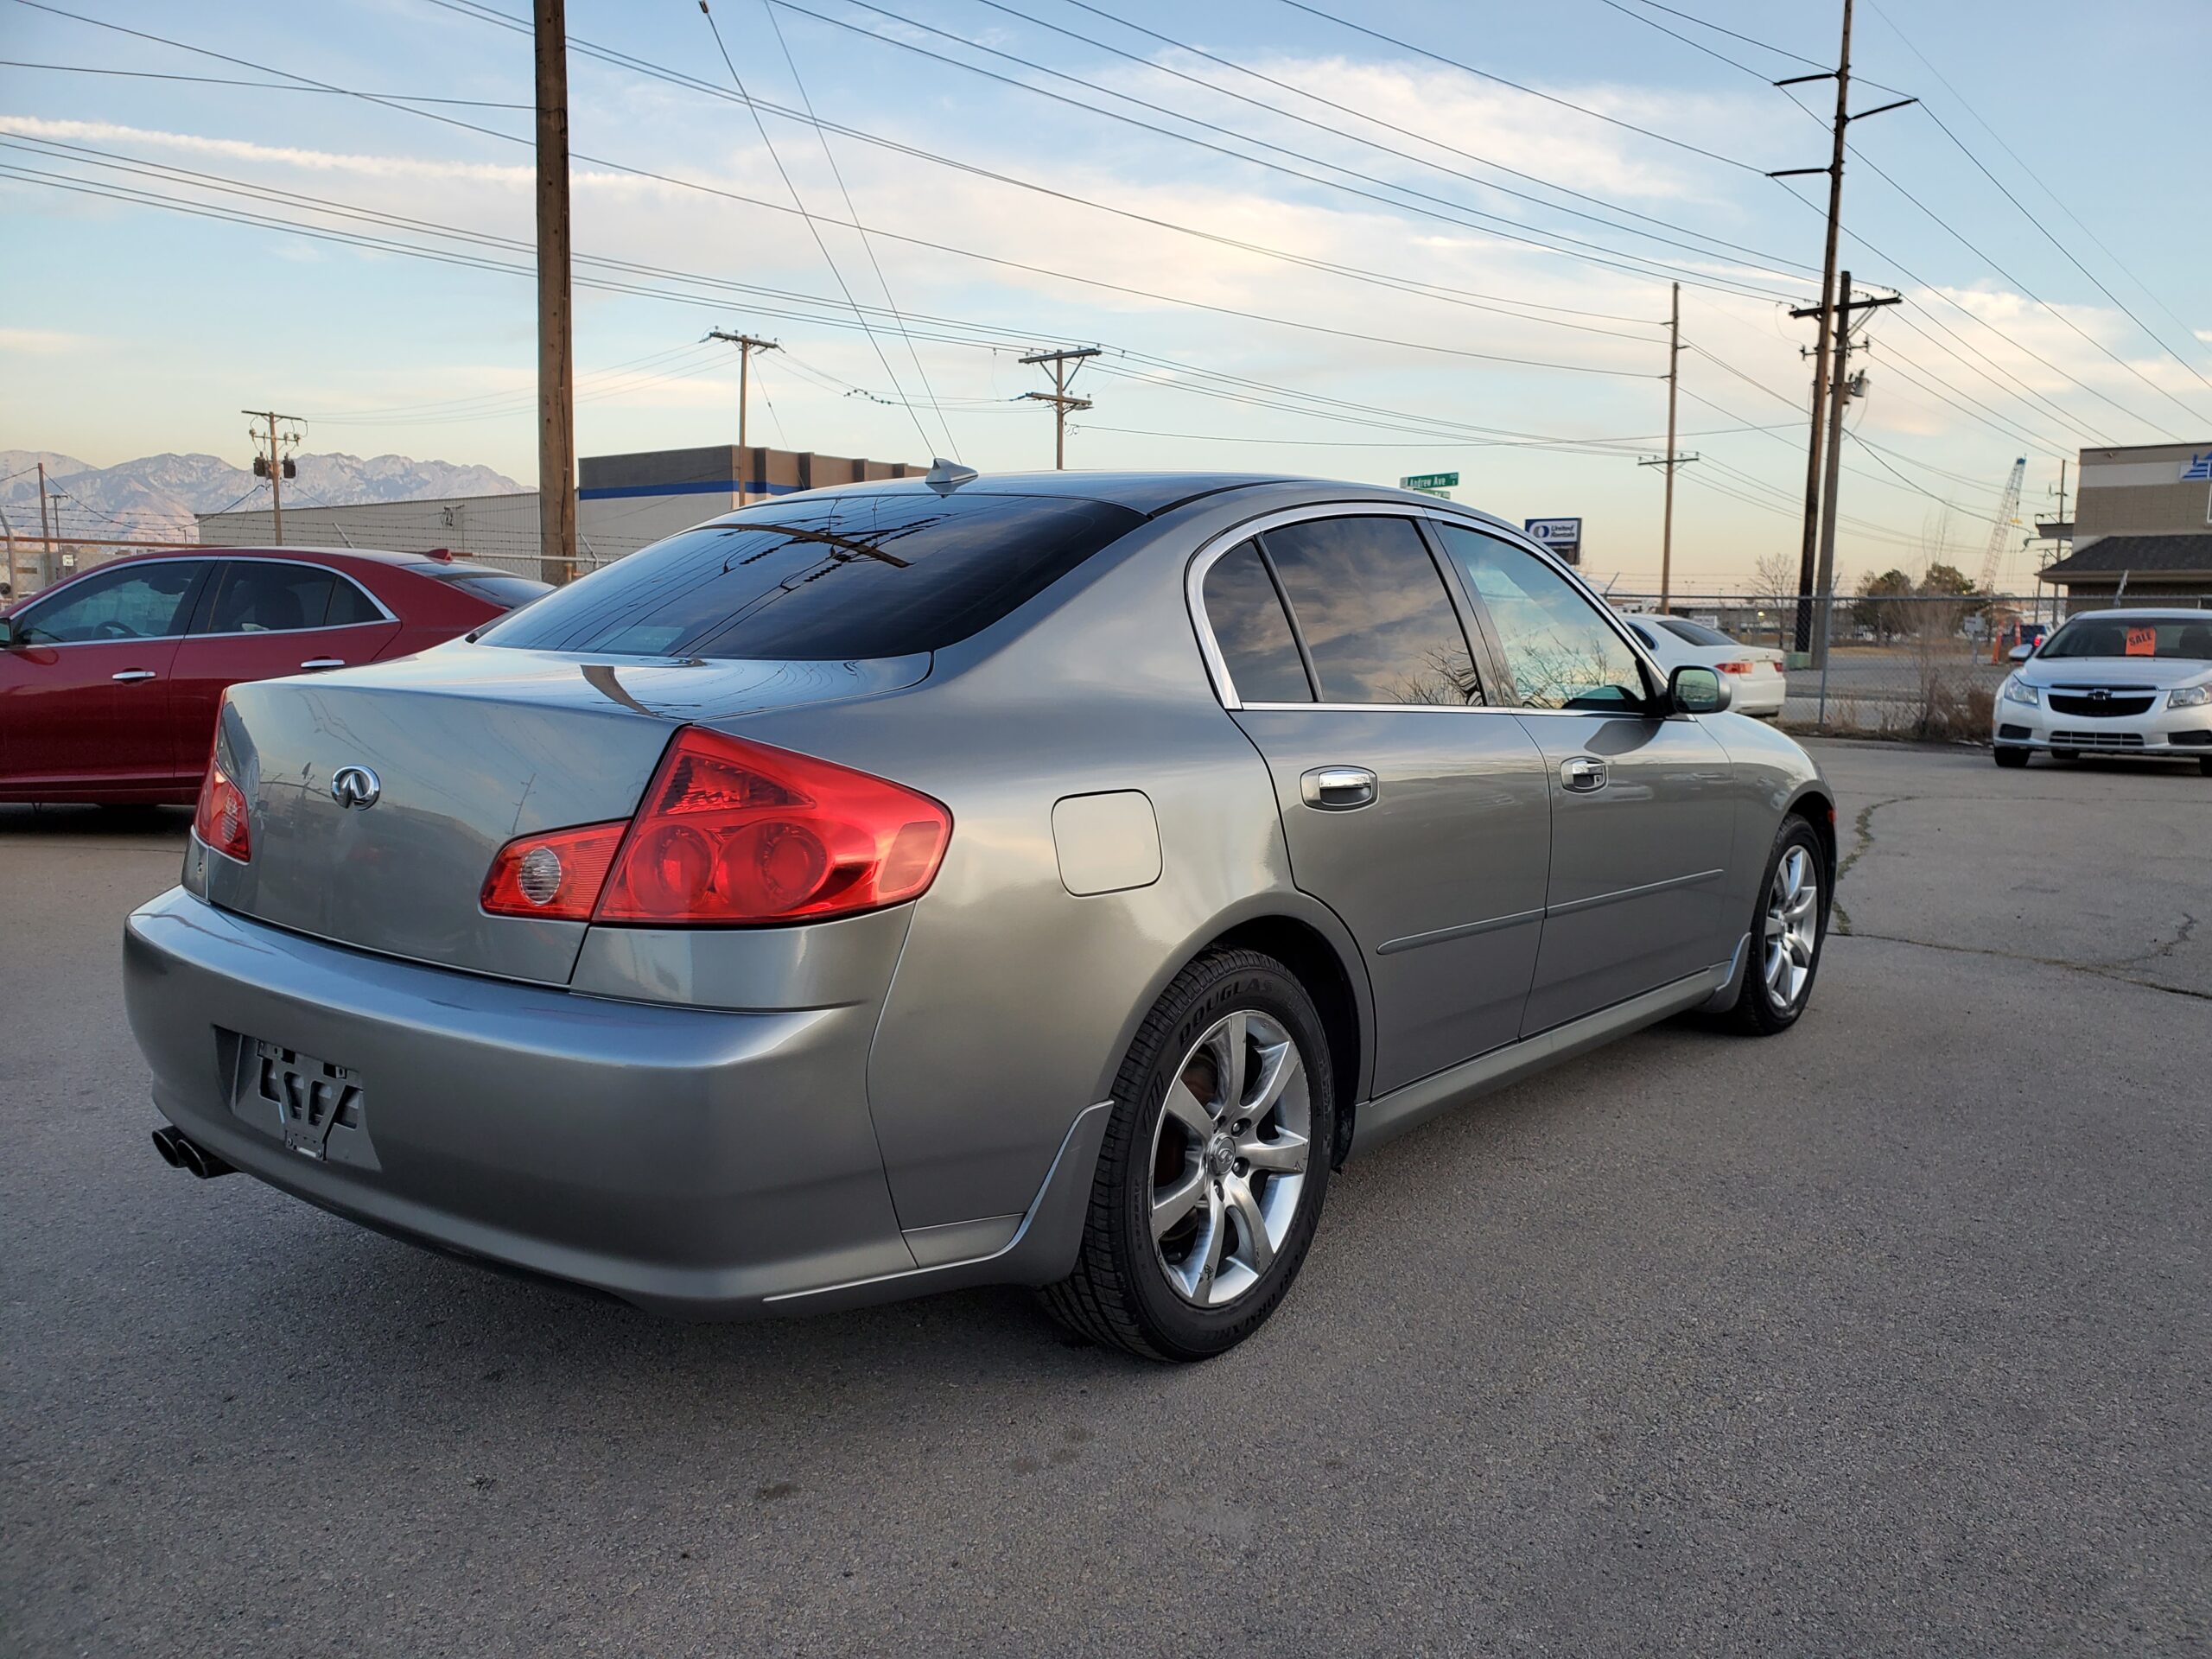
<point x="623" y="502"/>
<point x="2142" y="526"/>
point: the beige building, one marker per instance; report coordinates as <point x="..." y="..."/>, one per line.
<point x="623" y="502"/>
<point x="2142" y="526"/>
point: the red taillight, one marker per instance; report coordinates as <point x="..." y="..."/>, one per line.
<point x="220" y="818"/>
<point x="1737" y="668"/>
<point x="557" y="875"/>
<point x="732" y="833"/>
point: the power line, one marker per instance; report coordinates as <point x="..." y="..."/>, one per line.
<point x="1443" y="292"/>
<point x="1549" y="97"/>
<point x="2031" y="172"/>
<point x="325" y="204"/>
<point x="853" y="213"/>
<point x="1158" y="67"/>
<point x="827" y="257"/>
<point x="262" y="86"/>
<point x="1493" y="220"/>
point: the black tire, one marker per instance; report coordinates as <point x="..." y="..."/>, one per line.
<point x="1758" y="1011"/>
<point x="2008" y="756"/>
<point x="1120" y="1292"/>
<point x="2204" y="765"/>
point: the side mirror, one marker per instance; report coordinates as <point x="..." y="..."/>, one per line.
<point x="1694" y="691"/>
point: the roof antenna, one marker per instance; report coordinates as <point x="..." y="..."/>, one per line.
<point x="946" y="476"/>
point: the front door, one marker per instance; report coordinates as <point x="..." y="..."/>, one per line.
<point x="85" y="689"/>
<point x="1643" y="806"/>
<point x="1415" y="812"/>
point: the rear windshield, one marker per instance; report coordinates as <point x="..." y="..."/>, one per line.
<point x="834" y="579"/>
<point x="1696" y="632"/>
<point x="2177" y="638"/>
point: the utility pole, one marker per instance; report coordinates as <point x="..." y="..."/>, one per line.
<point x="1058" y="397"/>
<point x="274" y="466"/>
<point x="747" y="344"/>
<point x="556" y="386"/>
<point x="44" y="536"/>
<point x="1821" y="376"/>
<point x="1670" y="460"/>
<point x="1840" y="392"/>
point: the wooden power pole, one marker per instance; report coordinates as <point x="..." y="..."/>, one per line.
<point x="273" y="465"/>
<point x="1058" y="397"/>
<point x="1840" y="392"/>
<point x="1670" y="460"/>
<point x="1807" y="555"/>
<point x="44" y="536"/>
<point x="556" y="387"/>
<point x="747" y="344"/>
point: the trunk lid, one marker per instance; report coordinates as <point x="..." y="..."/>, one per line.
<point x="469" y="746"/>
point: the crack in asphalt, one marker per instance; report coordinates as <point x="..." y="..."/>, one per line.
<point x="2095" y="970"/>
<point x="1862" y="829"/>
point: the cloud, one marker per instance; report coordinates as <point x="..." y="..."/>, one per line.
<point x="44" y="342"/>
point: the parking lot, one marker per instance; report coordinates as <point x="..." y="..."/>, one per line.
<point x="1889" y="1335"/>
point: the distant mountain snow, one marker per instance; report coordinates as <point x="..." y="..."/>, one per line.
<point x="157" y="495"/>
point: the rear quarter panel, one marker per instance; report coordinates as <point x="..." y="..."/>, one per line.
<point x="1015" y="999"/>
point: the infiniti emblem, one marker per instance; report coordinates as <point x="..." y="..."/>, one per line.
<point x="355" y="786"/>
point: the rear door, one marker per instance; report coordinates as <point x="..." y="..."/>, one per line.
<point x="260" y="619"/>
<point x="1411" y="808"/>
<point x="85" y="695"/>
<point x="1643" y="806"/>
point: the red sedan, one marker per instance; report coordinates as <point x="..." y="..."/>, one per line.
<point x="109" y="682"/>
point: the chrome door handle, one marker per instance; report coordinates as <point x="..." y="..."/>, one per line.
<point x="130" y="674"/>
<point x="324" y="662"/>
<point x="1583" y="774"/>
<point x="1337" y="789"/>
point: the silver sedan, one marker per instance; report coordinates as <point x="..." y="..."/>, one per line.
<point x="1036" y="880"/>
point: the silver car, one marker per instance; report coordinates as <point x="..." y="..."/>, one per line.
<point x="1035" y="879"/>
<point x="2133" y="682"/>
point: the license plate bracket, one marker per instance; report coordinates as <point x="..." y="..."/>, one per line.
<point x="318" y="1109"/>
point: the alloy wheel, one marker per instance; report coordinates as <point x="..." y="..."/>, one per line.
<point x="1229" y="1158"/>
<point x="1792" y="928"/>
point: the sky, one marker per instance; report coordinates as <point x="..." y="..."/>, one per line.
<point x="1359" y="241"/>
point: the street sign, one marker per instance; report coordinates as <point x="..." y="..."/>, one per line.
<point x="1563" y="537"/>
<point x="1429" y="483"/>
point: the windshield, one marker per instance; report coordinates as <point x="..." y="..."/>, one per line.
<point x="840" y="578"/>
<point x="2173" y="639"/>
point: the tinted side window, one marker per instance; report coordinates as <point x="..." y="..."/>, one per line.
<point x="268" y="596"/>
<point x="349" y="607"/>
<point x="138" y="602"/>
<point x="1374" y="611"/>
<point x="1559" y="651"/>
<point x="1252" y="630"/>
<point x="832" y="578"/>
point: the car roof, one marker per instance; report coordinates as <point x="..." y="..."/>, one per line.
<point x="1150" y="494"/>
<point x="425" y="563"/>
<point x="2147" y="613"/>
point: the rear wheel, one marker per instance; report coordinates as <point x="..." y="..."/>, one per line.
<point x="1787" y="930"/>
<point x="2008" y="756"/>
<point x="1210" y="1181"/>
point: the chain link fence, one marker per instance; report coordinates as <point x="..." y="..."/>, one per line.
<point x="1904" y="666"/>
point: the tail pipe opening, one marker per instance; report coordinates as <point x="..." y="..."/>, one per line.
<point x="179" y="1151"/>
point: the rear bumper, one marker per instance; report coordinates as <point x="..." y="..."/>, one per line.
<point x="700" y="1162"/>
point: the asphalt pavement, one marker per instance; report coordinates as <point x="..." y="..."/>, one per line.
<point x="1888" y="1336"/>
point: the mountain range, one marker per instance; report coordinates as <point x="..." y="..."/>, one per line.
<point x="155" y="496"/>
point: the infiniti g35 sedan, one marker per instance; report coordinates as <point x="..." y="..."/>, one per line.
<point x="1045" y="880"/>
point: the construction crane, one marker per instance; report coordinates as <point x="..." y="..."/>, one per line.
<point x="2008" y="517"/>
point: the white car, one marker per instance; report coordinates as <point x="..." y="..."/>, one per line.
<point x="2136" y="681"/>
<point x="1755" y="672"/>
